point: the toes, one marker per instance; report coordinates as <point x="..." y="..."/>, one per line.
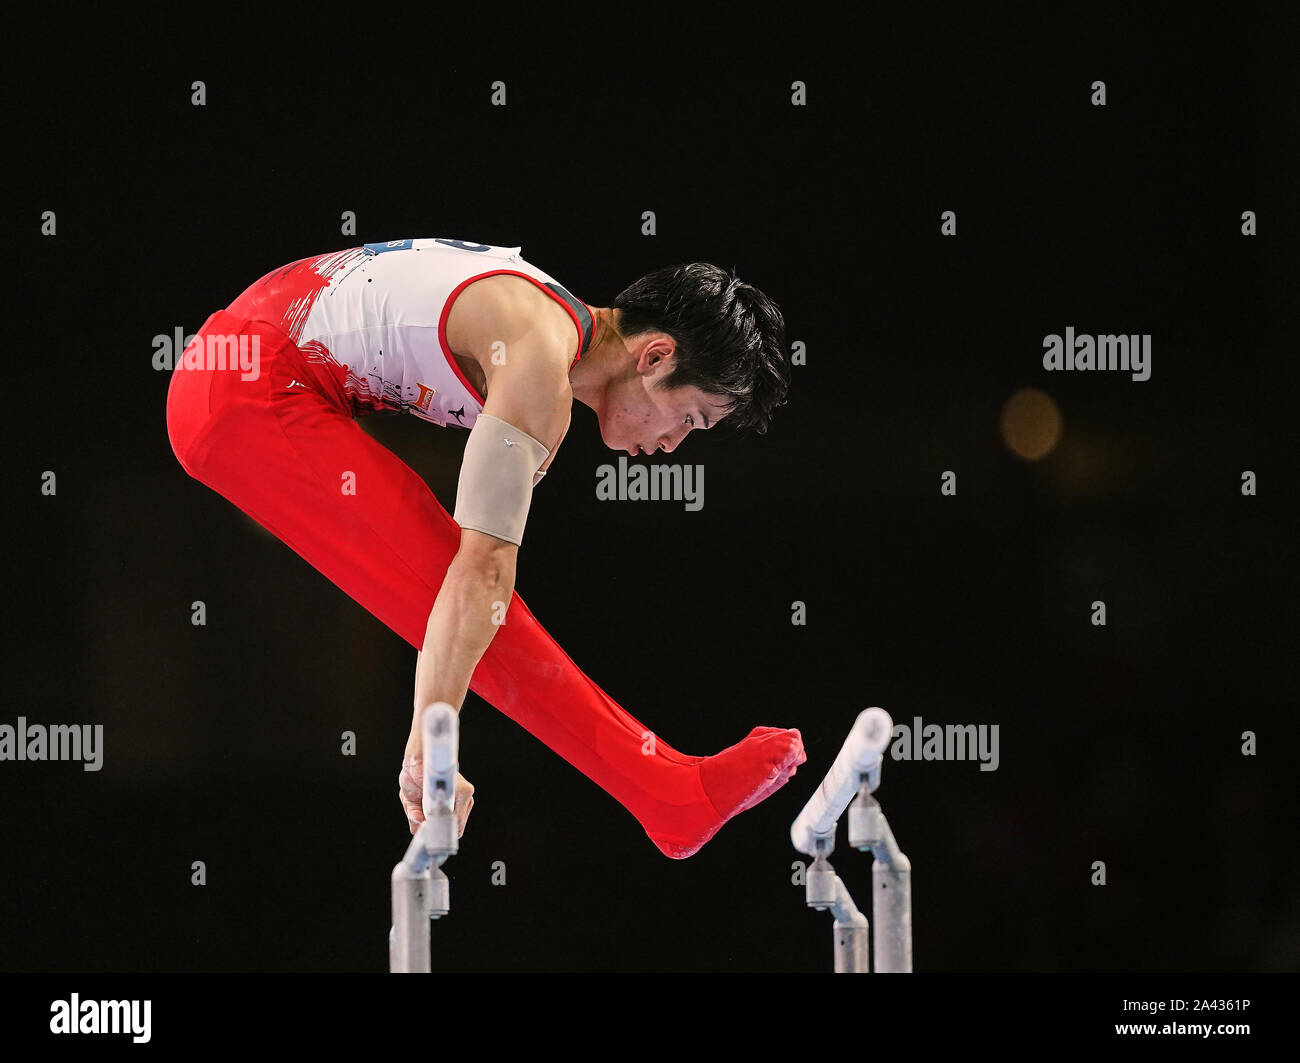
<point x="787" y="747"/>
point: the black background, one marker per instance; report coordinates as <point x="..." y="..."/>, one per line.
<point x="1119" y="744"/>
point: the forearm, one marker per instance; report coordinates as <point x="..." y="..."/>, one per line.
<point x="470" y="606"/>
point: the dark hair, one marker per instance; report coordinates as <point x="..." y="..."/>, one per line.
<point x="730" y="337"/>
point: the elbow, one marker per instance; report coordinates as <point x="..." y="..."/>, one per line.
<point x="496" y="575"/>
<point x="487" y="560"/>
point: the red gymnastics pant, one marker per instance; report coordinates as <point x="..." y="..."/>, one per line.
<point x="278" y="446"/>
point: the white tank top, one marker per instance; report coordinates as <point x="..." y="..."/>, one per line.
<point x="381" y="313"/>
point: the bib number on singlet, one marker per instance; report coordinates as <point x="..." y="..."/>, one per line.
<point x="464" y="246"/>
<point x="387" y="245"/>
<point x="405" y="245"/>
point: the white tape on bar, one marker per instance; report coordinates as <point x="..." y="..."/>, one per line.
<point x="867" y="741"/>
<point x="441" y="727"/>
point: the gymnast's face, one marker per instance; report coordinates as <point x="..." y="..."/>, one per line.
<point x="639" y="414"/>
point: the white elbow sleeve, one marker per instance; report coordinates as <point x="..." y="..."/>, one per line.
<point x="497" y="476"/>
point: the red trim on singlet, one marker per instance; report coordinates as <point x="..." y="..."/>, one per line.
<point x="446" y="312"/>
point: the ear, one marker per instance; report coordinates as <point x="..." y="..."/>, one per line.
<point x="657" y="353"/>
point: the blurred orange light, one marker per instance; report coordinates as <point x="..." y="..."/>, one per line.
<point x="1031" y="424"/>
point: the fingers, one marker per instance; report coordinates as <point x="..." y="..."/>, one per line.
<point x="410" y="790"/>
<point x="464" y="802"/>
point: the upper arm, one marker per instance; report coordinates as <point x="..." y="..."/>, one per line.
<point x="524" y="349"/>
<point x="524" y="340"/>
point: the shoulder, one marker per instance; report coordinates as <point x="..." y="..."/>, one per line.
<point x="506" y="309"/>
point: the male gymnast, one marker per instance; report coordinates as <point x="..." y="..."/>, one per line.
<point x="474" y="336"/>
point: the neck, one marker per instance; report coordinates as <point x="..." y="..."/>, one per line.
<point x="606" y="354"/>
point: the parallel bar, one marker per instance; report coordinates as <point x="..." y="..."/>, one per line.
<point x="852" y="778"/>
<point x="891" y="882"/>
<point x="824" y="890"/>
<point x="860" y="755"/>
<point x="419" y="889"/>
<point x="408" y="941"/>
<point x="441" y="728"/>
